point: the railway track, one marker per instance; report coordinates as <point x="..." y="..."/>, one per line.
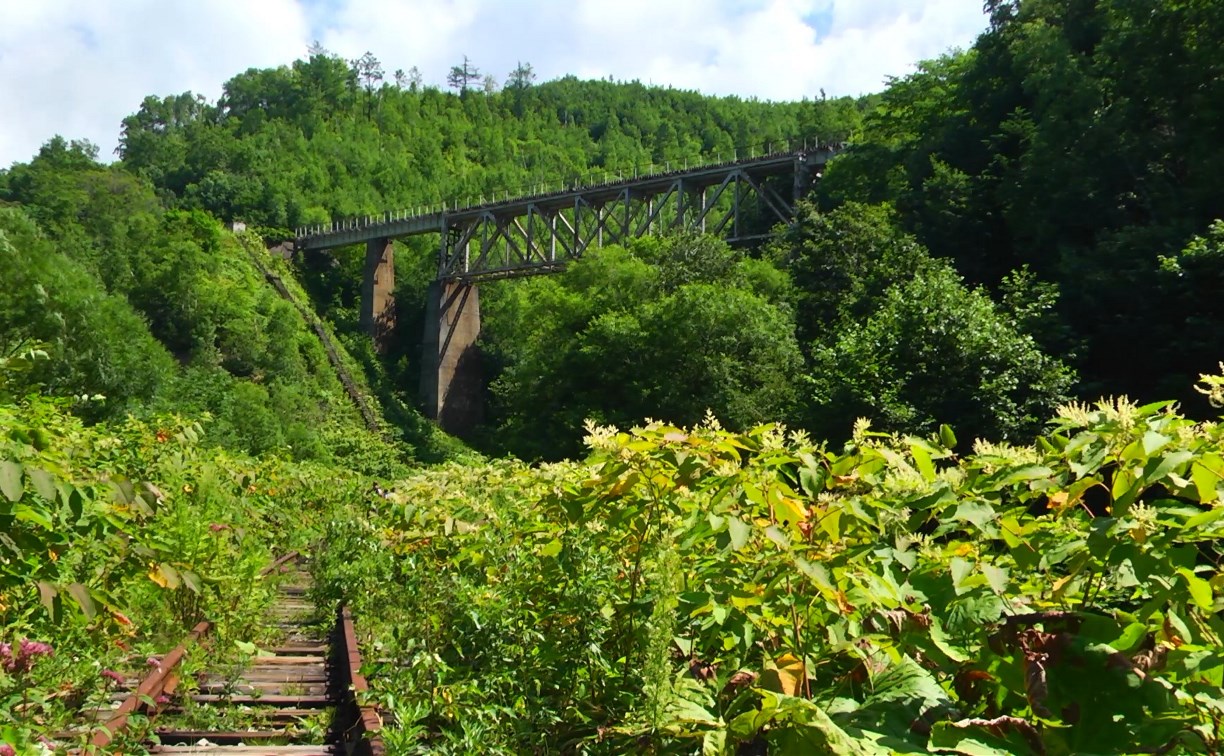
<point x="296" y="695"/>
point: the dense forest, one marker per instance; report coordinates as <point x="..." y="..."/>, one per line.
<point x="849" y="490"/>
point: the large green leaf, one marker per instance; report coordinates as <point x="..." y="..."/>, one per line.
<point x="1002" y="736"/>
<point x="83" y="599"/>
<point x="1200" y="590"/>
<point x="740" y="532"/>
<point x="799" y="727"/>
<point x="894" y="699"/>
<point x="10" y="480"/>
<point x="44" y="483"/>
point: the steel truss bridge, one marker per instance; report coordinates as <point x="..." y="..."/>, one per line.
<point x="540" y="233"/>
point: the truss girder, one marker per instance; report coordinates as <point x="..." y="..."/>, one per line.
<point x="528" y="238"/>
<point x="618" y="209"/>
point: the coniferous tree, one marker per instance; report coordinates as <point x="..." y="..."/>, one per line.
<point x="462" y="77"/>
<point x="370" y="73"/>
<point x="522" y="77"/>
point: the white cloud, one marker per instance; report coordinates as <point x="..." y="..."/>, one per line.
<point x="77" y="67"/>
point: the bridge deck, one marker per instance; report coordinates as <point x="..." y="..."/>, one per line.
<point x="363" y="230"/>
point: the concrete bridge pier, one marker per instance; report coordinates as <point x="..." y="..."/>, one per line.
<point x="378" y="292"/>
<point x="452" y="382"/>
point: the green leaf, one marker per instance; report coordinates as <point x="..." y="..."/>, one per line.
<point x="1011" y="530"/>
<point x="551" y="549"/>
<point x="573" y="509"/>
<point x="1200" y="590"/>
<point x="76" y="501"/>
<point x="714" y="743"/>
<point x="940" y="638"/>
<point x="44" y="483"/>
<point x="830" y="522"/>
<point x="817" y="572"/>
<point x="1158" y="468"/>
<point x="974" y="739"/>
<point x="754" y="495"/>
<point x="1123" y="489"/>
<point x="947" y="437"/>
<point x="27" y="513"/>
<point x="10" y="480"/>
<point x="1131" y="636"/>
<point x="47" y="594"/>
<point x="800" y="726"/>
<point x="996" y="577"/>
<point x="740" y="531"/>
<point x="897" y="696"/>
<point x="83" y="599"/>
<point x="811" y="475"/>
<point x="979" y="513"/>
<point x="1204" y="518"/>
<point x="1024" y="473"/>
<point x="922" y="460"/>
<point x="1180" y="628"/>
<point x="1153" y="442"/>
<point x="1206" y="479"/>
<point x="965" y="615"/>
<point x="961" y="570"/>
<point x="776" y="535"/>
<point x="192" y="581"/>
<point x="744" y="726"/>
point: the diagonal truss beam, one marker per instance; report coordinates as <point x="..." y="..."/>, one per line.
<point x="541" y="235"/>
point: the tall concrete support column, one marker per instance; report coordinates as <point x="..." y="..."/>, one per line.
<point x="378" y="292"/>
<point x="451" y="378"/>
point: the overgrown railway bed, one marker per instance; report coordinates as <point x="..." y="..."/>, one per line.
<point x="296" y="695"/>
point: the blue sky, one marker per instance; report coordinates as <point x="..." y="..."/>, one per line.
<point x="77" y="67"/>
<point x="820" y="20"/>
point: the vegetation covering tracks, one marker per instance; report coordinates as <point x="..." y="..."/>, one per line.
<point x="277" y="696"/>
<point x="292" y="693"/>
<point x="114" y="542"/>
<point x="703" y="590"/>
<point x="360" y="400"/>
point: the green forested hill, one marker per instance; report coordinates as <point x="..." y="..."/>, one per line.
<point x="1063" y="165"/>
<point x="322" y="139"/>
<point x="300" y="144"/>
<point x="143" y="309"/>
<point x="944" y="548"/>
<point x="308" y="143"/>
<point x="1084" y="140"/>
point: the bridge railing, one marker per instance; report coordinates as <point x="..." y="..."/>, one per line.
<point x="536" y="192"/>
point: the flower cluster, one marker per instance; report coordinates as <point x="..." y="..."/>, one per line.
<point x="22" y="660"/>
<point x="112" y="675"/>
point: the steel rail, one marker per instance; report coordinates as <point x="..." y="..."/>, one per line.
<point x="152" y="686"/>
<point x="361" y="736"/>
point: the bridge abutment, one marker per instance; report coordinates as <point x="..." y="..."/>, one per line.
<point x="452" y="381"/>
<point x="378" y="292"/>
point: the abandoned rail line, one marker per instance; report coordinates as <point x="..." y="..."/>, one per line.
<point x="298" y="695"/>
